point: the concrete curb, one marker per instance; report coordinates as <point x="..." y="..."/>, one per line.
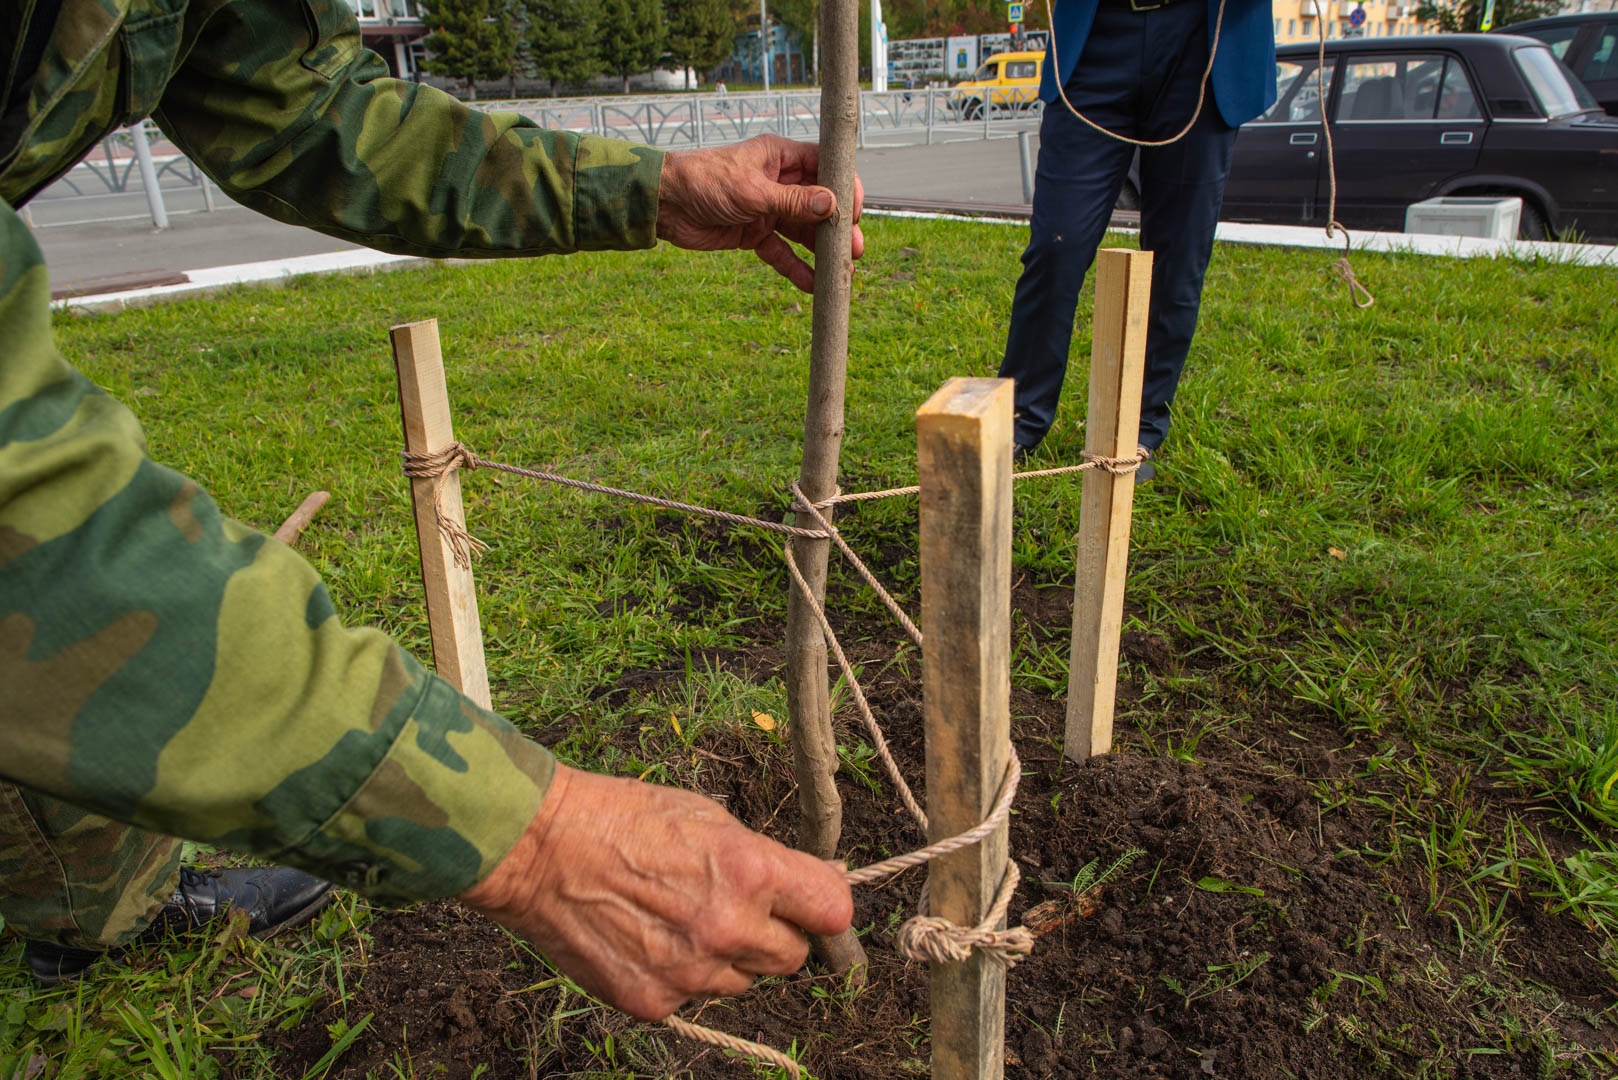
<point x="278" y="271"/>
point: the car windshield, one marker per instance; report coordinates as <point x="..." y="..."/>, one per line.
<point x="988" y="72"/>
<point x="1558" y="94"/>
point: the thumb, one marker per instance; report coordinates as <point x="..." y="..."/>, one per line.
<point x="801" y="203"/>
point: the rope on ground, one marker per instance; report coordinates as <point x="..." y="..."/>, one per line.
<point x="731" y="1042"/>
<point x="1358" y="294"/>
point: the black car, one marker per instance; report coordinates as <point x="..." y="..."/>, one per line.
<point x="1413" y="118"/>
<point x="1587" y="43"/>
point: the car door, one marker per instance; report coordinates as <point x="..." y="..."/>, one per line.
<point x="1403" y="123"/>
<point x="1275" y="168"/>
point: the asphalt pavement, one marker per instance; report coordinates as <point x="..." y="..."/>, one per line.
<point x="984" y="172"/>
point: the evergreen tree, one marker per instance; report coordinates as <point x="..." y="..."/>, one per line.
<point x="471" y="40"/>
<point x="700" y="35"/>
<point x="564" y="39"/>
<point x="631" y="36"/>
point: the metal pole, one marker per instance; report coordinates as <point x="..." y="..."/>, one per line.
<point x="148" y="175"/>
<point x="1025" y="151"/>
<point x="207" y="192"/>
<point x="764" y="44"/>
<point x="931" y="103"/>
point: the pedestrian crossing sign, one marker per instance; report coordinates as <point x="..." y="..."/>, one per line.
<point x="1014" y="12"/>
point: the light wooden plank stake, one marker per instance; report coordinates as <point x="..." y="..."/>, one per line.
<point x="452" y="605"/>
<point x="963" y="437"/>
<point x="1117" y="364"/>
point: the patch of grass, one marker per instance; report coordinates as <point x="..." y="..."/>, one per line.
<point x="1394" y="524"/>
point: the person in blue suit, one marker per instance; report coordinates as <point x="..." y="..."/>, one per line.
<point x="1137" y="68"/>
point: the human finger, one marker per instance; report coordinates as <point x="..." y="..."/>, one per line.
<point x="815" y="895"/>
<point x="778" y="254"/>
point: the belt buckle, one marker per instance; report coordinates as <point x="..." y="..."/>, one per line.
<point x="1136" y="5"/>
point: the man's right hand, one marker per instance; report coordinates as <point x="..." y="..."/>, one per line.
<point x="650" y="896"/>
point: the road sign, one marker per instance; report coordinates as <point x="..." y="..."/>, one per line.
<point x="1357" y="17"/>
<point x="1014" y="12"/>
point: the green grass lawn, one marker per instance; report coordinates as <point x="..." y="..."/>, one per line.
<point x="1398" y="522"/>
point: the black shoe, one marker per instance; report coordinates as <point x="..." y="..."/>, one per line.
<point x="1145" y="472"/>
<point x="53" y="965"/>
<point x="1021" y="453"/>
<point x="274" y="899"/>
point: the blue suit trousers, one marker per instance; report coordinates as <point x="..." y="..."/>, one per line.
<point x="1138" y="75"/>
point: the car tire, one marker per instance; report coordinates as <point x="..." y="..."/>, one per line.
<point x="1532" y="225"/>
<point x="973" y="110"/>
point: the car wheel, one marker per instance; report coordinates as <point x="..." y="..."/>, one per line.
<point x="1532" y="225"/>
<point x="974" y="109"/>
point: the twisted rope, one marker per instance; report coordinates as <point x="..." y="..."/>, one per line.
<point x="440" y="463"/>
<point x="878" y="740"/>
<point x="732" y="1043"/>
<point x="926" y="937"/>
<point x="803" y="504"/>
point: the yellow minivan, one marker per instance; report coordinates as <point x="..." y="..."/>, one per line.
<point x="1008" y="81"/>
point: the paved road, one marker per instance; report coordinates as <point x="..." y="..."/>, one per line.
<point x="985" y="172"/>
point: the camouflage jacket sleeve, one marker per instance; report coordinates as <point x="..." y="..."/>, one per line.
<point x="278" y="102"/>
<point x="168" y="667"/>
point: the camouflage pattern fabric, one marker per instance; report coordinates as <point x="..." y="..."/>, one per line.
<point x="164" y="666"/>
<point x="78" y="879"/>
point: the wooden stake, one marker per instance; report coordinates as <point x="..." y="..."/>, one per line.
<point x="1117" y="365"/>
<point x="300" y="518"/>
<point x="963" y="436"/>
<point x="452" y="605"/>
<point x="808" y="697"/>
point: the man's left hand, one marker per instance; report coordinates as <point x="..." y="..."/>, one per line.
<point x="756" y="195"/>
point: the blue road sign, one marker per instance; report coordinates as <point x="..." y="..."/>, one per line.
<point x="1014" y="12"/>
<point x="1357" y="17"/>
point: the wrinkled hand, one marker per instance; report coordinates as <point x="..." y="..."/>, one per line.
<point x="755" y="196"/>
<point x="650" y="896"/>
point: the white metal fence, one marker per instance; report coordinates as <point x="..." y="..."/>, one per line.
<point x="137" y="173"/>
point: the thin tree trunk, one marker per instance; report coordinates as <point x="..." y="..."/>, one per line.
<point x="808" y="698"/>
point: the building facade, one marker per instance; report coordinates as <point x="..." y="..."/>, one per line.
<point x="1301" y="20"/>
<point x="393" y="28"/>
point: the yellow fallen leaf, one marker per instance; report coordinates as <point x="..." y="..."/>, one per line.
<point x="1337" y="553"/>
<point x="674" y="722"/>
<point x="764" y="720"/>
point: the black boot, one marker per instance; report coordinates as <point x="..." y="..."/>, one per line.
<point x="273" y="897"/>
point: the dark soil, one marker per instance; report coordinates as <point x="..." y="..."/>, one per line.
<point x="1247" y="939"/>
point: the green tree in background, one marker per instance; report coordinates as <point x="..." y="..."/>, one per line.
<point x="700" y="34"/>
<point x="631" y="36"/>
<point x="471" y="40"/>
<point x="564" y="40"/>
<point x="1466" y="16"/>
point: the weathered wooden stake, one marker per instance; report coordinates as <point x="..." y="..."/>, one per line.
<point x="808" y="696"/>
<point x="1117" y="364"/>
<point x="452" y="604"/>
<point x="963" y="436"/>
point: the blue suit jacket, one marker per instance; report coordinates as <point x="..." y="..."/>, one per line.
<point x="1244" y="69"/>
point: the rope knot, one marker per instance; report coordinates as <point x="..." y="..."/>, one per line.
<point x="927" y="937"/>
<point x="437" y="466"/>
<point x="1118" y="466"/>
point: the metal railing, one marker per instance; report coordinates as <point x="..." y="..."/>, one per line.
<point x="139" y="164"/>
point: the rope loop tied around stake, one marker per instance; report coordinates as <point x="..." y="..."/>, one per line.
<point x="435" y="465"/>
<point x="928" y="937"/>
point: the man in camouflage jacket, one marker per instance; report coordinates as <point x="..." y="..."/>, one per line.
<point x="166" y="671"/>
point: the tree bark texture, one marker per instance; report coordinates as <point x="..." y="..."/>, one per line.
<point x="808" y="696"/>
